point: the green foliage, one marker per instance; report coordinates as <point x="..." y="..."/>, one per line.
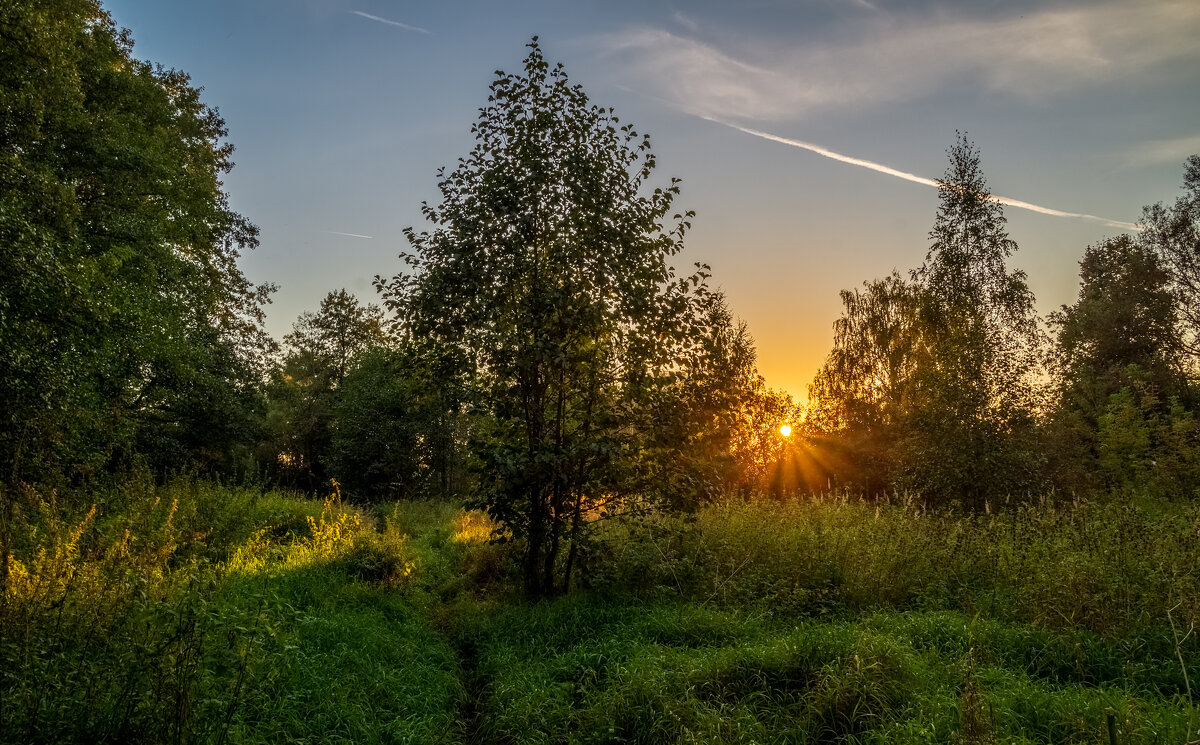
<point x="127" y="325"/>
<point x="127" y="624"/>
<point x="1120" y="422"/>
<point x="1125" y="315"/>
<point x="304" y="392"/>
<point x="338" y="332"/>
<point x="397" y="430"/>
<point x="547" y="275"/>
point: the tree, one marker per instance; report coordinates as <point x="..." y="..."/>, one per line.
<point x="1121" y="369"/>
<point x="304" y="392"/>
<point x="397" y="427"/>
<point x="547" y="272"/>
<point x="1173" y="233"/>
<point x="716" y="431"/>
<point x="1125" y="315"/>
<point x="975" y="396"/>
<point x="122" y="304"/>
<point x="861" y="399"/>
<point x="341" y="328"/>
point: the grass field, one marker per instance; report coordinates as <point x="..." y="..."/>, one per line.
<point x="197" y="613"/>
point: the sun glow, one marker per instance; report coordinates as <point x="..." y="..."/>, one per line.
<point x="786" y="430"/>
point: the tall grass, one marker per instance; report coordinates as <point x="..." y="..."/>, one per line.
<point x="196" y="613"/>
<point x="1112" y="567"/>
<point x="583" y="670"/>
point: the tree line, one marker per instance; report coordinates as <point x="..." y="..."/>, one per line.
<point x="946" y="382"/>
<point x="539" y="353"/>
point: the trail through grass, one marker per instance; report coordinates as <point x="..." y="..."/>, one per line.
<point x="207" y="615"/>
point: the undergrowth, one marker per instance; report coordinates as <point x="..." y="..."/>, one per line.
<point x="1113" y="567"/>
<point x="194" y="613"/>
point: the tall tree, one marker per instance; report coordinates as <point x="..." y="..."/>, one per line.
<point x="122" y="304"/>
<point x="975" y="395"/>
<point x="548" y="270"/>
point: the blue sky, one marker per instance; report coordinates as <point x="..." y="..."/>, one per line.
<point x="343" y="110"/>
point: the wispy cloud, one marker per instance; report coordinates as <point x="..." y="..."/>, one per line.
<point x="686" y="21"/>
<point x="1162" y="151"/>
<point x="348" y="235"/>
<point x="390" y="22"/>
<point x="885" y="57"/>
<point x="862" y="163"/>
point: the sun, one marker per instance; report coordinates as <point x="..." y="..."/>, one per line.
<point x="786" y="430"/>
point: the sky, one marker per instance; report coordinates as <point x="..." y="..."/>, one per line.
<point x="806" y="132"/>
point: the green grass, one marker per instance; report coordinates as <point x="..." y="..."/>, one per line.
<point x="343" y="662"/>
<point x="196" y="613"/>
<point x="285" y="620"/>
<point x="579" y="670"/>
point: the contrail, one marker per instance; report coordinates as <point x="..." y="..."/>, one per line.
<point x="404" y="26"/>
<point x="915" y="178"/>
<point x="348" y="235"/>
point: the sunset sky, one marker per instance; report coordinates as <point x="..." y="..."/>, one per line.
<point x="805" y="132"/>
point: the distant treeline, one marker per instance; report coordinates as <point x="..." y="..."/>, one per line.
<point x="947" y="384"/>
<point x="538" y="353"/>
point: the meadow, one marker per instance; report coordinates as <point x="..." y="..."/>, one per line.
<point x="192" y="613"/>
<point x="535" y="351"/>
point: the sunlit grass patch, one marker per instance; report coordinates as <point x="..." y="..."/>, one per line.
<point x="284" y="620"/>
<point x="473" y="526"/>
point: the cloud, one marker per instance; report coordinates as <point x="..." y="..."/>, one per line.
<point x="1162" y="151"/>
<point x="1009" y="201"/>
<point x="686" y="21"/>
<point x="348" y="235"/>
<point x="886" y="57"/>
<point x="389" y="22"/>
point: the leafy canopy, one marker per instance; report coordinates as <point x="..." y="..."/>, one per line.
<point x="122" y="308"/>
<point x="547" y="276"/>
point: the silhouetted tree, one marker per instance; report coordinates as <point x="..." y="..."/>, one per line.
<point x="548" y="271"/>
<point x="304" y="392"/>
<point x="717" y="430"/>
<point x="861" y="399"/>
